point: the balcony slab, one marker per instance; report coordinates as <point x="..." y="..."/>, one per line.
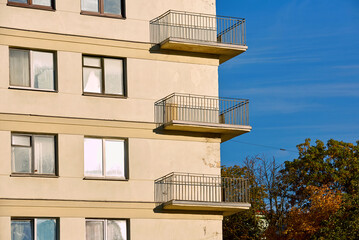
<point x="227" y="131"/>
<point x="225" y="51"/>
<point x="227" y="208"/>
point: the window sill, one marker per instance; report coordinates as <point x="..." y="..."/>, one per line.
<point x="104" y="95"/>
<point x="105" y="179"/>
<point x="24" y="5"/>
<point x="32" y="89"/>
<point x="33" y="175"/>
<point x="97" y="14"/>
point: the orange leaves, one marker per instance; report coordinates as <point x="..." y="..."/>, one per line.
<point x="304" y="222"/>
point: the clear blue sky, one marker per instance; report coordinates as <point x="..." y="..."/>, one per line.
<point x="300" y="73"/>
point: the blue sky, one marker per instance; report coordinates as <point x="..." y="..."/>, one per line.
<point x="300" y="73"/>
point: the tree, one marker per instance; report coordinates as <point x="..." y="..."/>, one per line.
<point x="335" y="164"/>
<point x="344" y="224"/>
<point x="265" y="199"/>
<point x="305" y="221"/>
<point x="332" y="168"/>
<point x="315" y="196"/>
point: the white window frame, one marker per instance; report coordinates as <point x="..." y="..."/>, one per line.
<point x="105" y="225"/>
<point x="32" y="160"/>
<point x="103" y="176"/>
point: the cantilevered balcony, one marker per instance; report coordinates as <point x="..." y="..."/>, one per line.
<point x="203" y="33"/>
<point x="197" y="192"/>
<point x="224" y="117"/>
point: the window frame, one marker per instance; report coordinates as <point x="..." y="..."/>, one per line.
<point x="55" y="64"/>
<point x="32" y="163"/>
<point x="33" y="221"/>
<point x="102" y="60"/>
<point x="126" y="160"/>
<point x="35" y="6"/>
<point x="105" y="220"/>
<point x="101" y="13"/>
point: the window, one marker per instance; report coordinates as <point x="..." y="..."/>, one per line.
<point x="34" y="229"/>
<point x="106" y="229"/>
<point x="104" y="158"/>
<point x="42" y="4"/>
<point x="32" y="69"/>
<point x="103" y="76"/>
<point x="33" y="154"/>
<point x="111" y="8"/>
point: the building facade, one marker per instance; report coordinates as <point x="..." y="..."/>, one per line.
<point x="110" y="120"/>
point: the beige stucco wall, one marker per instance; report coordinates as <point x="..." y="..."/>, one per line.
<point x="177" y="229"/>
<point x="147" y="82"/>
<point x="148" y="160"/>
<point x="67" y="18"/>
<point x="74" y="229"/>
<point x="5" y="226"/>
<point x="70" y="115"/>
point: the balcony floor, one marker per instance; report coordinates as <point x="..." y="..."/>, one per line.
<point x="228" y="208"/>
<point x="225" y="51"/>
<point x="227" y="131"/>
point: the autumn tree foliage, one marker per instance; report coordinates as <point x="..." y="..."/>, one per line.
<point x="264" y="198"/>
<point x="305" y="221"/>
<point x="336" y="163"/>
<point x="315" y="196"/>
<point x="344" y="224"/>
<point x="320" y="187"/>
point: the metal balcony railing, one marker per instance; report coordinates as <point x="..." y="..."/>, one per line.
<point x="204" y="109"/>
<point x="201" y="188"/>
<point x="198" y="27"/>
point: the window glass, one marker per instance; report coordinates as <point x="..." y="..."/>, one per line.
<point x="21" y="159"/>
<point x="92" y="62"/>
<point x="21" y="140"/>
<point x="94" y="230"/>
<point x="116" y="229"/>
<point x="89" y="5"/>
<point x="19" y="1"/>
<point x="19" y="68"/>
<point x="113" y="76"/>
<point x="112" y="6"/>
<point x="115" y="158"/>
<point x="104" y="78"/>
<point x="46" y="229"/>
<point x="44" y="147"/>
<point x="42" y="2"/>
<point x="21" y="230"/>
<point x="93" y="157"/>
<point x="33" y="154"/>
<point x="92" y="80"/>
<point x="32" y="69"/>
<point x="43" y="70"/>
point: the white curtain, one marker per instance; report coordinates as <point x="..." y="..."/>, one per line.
<point x="113" y="76"/>
<point x="21" y="230"/>
<point x="94" y="230"/>
<point x="44" y="154"/>
<point x="115" y="158"/>
<point x="19" y="68"/>
<point x="116" y="230"/>
<point x="42" y="70"/>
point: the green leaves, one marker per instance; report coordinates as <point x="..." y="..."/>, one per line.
<point x="318" y="191"/>
<point x="335" y="163"/>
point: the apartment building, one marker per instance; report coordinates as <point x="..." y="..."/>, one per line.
<point x="110" y="120"/>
